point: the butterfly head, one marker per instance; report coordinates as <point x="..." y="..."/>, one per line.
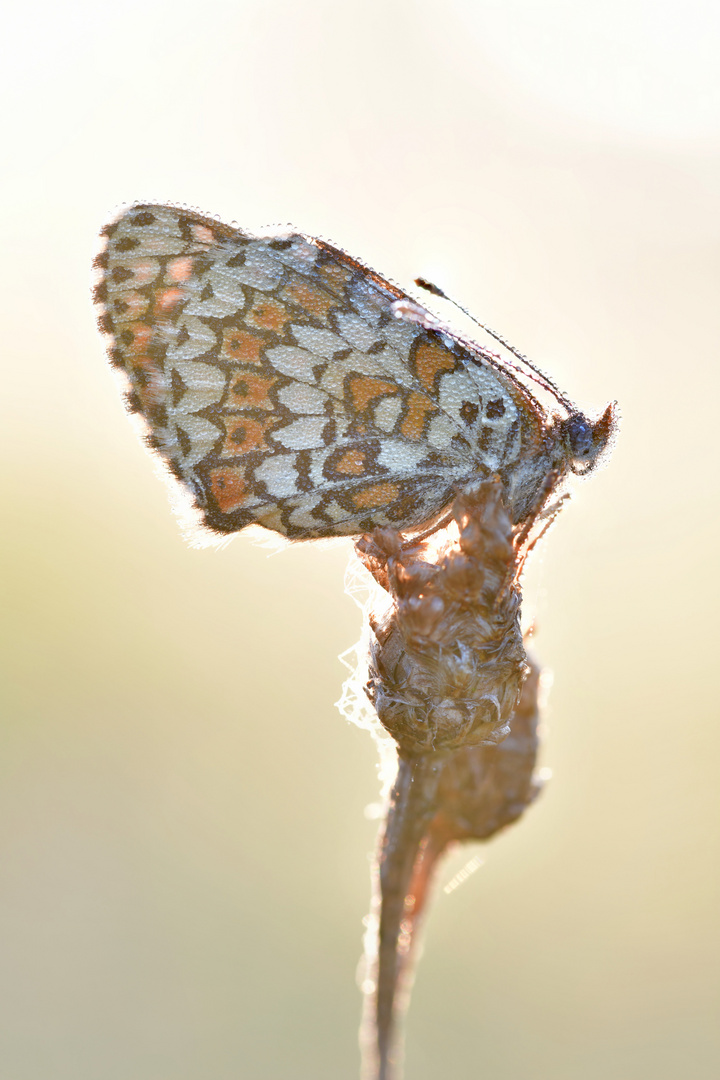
<point x="584" y="440"/>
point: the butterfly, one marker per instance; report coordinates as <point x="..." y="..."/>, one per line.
<point x="284" y="383"/>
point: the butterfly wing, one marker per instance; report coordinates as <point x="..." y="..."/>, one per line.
<point x="279" y="388"/>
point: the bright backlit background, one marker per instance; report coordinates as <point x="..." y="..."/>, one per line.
<point x="183" y="849"/>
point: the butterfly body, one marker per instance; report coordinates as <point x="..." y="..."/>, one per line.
<point x="280" y="387"/>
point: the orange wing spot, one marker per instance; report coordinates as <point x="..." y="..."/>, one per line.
<point x="145" y="271"/>
<point x="166" y="300"/>
<point x="336" y="276"/>
<point x="249" y="391"/>
<point x="363" y="388"/>
<point x="203" y="234"/>
<point x="268" y="314"/>
<point x="229" y="487"/>
<point x="142" y="336"/>
<point x="413" y="426"/>
<point x="429" y="360"/>
<point x="242" y="347"/>
<point x="376" y="495"/>
<point x="351" y="464"/>
<point x="243" y="435"/>
<point x="313" y="301"/>
<point x="179" y="269"/>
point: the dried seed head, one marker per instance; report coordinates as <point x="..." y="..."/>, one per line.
<point x="447" y="661"/>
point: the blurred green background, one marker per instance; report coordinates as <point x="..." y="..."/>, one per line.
<point x="183" y="847"/>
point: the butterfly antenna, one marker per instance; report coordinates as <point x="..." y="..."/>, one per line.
<point x="542" y="378"/>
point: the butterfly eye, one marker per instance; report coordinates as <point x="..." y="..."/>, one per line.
<point x="585" y="440"/>
<point x="579" y="436"/>
<point x="579" y="439"/>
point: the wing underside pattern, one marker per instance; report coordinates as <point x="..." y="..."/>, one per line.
<point x="279" y="388"/>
